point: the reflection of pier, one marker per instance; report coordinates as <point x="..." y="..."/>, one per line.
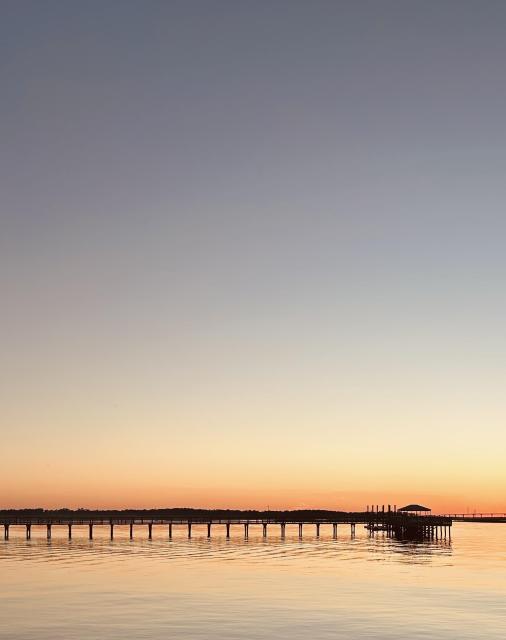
<point x="392" y="522"/>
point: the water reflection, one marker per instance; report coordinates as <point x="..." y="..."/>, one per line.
<point x="254" y="549"/>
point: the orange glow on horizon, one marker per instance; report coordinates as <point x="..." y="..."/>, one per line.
<point x="242" y="499"/>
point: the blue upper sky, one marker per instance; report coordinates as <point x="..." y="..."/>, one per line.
<point x="289" y="213"/>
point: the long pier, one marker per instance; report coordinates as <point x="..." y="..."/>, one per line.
<point x="477" y="517"/>
<point x="392" y="523"/>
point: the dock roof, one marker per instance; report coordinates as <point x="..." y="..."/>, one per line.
<point x="414" y="507"/>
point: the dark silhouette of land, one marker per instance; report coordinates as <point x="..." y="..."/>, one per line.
<point x="222" y="515"/>
<point x="179" y="513"/>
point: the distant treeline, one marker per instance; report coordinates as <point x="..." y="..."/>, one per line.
<point x="183" y="513"/>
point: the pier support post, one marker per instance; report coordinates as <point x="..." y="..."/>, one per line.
<point x="189" y="530"/>
<point x="48" y="531"/>
<point x="334" y="529"/>
<point x="352" y="529"/>
<point x="317" y="529"/>
<point x="131" y="531"/>
<point x="300" y="529"/>
<point x="90" y="531"/>
<point x="264" y="530"/>
<point x="170" y="530"/>
<point x="228" y="529"/>
<point x="283" y="527"/>
<point x="28" y="531"/>
<point x="6" y="531"/>
<point x="208" y="529"/>
<point x="70" y="530"/>
<point x="112" y="531"/>
<point x="246" y="529"/>
<point x="150" y="530"/>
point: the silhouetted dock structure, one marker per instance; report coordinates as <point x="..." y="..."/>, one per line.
<point x="410" y="523"/>
<point x="393" y="522"/>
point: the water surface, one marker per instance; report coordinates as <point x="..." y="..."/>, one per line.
<point x="233" y="589"/>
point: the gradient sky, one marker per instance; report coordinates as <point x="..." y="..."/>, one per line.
<point x="253" y="253"/>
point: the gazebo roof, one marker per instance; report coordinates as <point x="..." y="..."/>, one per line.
<point x="414" y="507"/>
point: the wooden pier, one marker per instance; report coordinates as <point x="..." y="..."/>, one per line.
<point x="478" y="517"/>
<point x="401" y="525"/>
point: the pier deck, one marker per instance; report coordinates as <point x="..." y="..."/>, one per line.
<point x="393" y="523"/>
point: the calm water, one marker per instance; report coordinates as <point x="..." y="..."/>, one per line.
<point x="311" y="589"/>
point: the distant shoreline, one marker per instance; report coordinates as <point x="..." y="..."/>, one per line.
<point x="202" y="515"/>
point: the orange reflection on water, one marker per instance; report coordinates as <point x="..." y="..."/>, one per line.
<point x="365" y="587"/>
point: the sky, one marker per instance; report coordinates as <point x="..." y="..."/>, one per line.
<point x="252" y="254"/>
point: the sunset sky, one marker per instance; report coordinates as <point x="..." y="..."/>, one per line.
<point x="253" y="254"/>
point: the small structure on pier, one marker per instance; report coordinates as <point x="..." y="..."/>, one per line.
<point x="417" y="509"/>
